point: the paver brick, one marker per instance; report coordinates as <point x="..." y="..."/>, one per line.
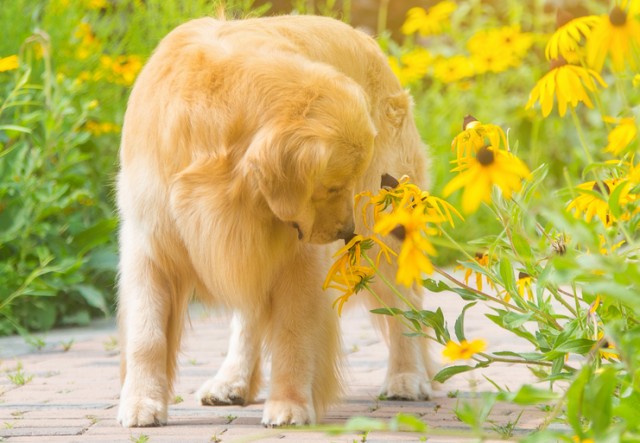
<point x="73" y="395"/>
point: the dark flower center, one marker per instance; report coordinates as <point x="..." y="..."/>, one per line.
<point x="467" y="120"/>
<point x="563" y="17"/>
<point x="522" y="275"/>
<point x="388" y="181"/>
<point x="399" y="232"/>
<point x="485" y="156"/>
<point x="557" y="62"/>
<point x="597" y="188"/>
<point x="617" y="17"/>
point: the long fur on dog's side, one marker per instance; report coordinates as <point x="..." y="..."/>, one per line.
<point x="235" y="137"/>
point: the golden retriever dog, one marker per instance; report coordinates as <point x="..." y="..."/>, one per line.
<point x="243" y="146"/>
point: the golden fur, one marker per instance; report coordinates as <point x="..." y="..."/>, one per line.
<point x="243" y="145"/>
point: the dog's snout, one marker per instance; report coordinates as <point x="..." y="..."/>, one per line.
<point x="347" y="233"/>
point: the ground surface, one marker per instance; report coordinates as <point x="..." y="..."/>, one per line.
<point x="72" y="395"/>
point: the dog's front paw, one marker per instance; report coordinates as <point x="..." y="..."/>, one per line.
<point x="141" y="411"/>
<point x="286" y="412"/>
<point x="407" y="386"/>
<point x="216" y="392"/>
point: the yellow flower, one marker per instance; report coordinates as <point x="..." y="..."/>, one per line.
<point x="452" y="69"/>
<point x="565" y="42"/>
<point x="593" y="201"/>
<point x="568" y="83"/>
<point x="478" y="175"/>
<point x="622" y="135"/>
<point x="483" y="260"/>
<point x="411" y="225"/>
<point x="523" y="285"/>
<point x="9" y="63"/>
<point x="404" y="194"/>
<point x="616" y="34"/>
<point x="496" y="50"/>
<point x="101" y="128"/>
<point x="476" y="135"/>
<point x="347" y="274"/>
<point x="431" y="22"/>
<point x="412" y="66"/>
<point x="464" y="350"/>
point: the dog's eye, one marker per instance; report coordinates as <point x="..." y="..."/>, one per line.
<point x="334" y="190"/>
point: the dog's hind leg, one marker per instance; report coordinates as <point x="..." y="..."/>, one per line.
<point x="151" y="314"/>
<point x="410" y="366"/>
<point x="238" y="379"/>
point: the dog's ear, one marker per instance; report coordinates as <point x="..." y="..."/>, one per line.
<point x="396" y="108"/>
<point x="286" y="165"/>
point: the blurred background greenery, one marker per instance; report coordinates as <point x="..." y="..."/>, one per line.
<point x="62" y="105"/>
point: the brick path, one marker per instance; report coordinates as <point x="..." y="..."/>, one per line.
<point x="72" y="396"/>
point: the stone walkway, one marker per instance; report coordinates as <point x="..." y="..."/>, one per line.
<point x="71" y="395"/>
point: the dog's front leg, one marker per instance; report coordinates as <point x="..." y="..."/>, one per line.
<point x="305" y="346"/>
<point x="238" y="379"/>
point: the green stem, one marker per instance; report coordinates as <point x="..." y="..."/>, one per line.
<point x="389" y="284"/>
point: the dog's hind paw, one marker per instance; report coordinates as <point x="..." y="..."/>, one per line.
<point x="407" y="386"/>
<point x="220" y="393"/>
<point x="286" y="412"/>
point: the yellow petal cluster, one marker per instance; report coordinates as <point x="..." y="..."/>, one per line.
<point x="433" y="21"/>
<point x="464" y="350"/>
<point x="9" y="63"/>
<point x="477" y="175"/>
<point x="568" y="84"/>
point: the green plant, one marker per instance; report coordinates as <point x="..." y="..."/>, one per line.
<point x="19" y="377"/>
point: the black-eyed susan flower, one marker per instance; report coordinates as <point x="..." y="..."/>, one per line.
<point x="477" y="175"/>
<point x="621" y="137"/>
<point x="411" y="225"/>
<point x="432" y="21"/>
<point x="452" y="69"/>
<point x="347" y="274"/>
<point x="481" y="259"/>
<point x="567" y="40"/>
<point x="464" y="350"/>
<point x="9" y="63"/>
<point x="476" y="135"/>
<point x="566" y="83"/>
<point x="593" y="199"/>
<point x="498" y="49"/>
<point x="412" y="66"/>
<point x="523" y="285"/>
<point x="617" y="35"/>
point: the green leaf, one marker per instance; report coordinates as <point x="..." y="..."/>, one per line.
<point x="506" y="273"/>
<point x="93" y="297"/>
<point x="530" y="395"/>
<point x="435" y="319"/>
<point x="387" y="311"/>
<point x="575" y="399"/>
<point x="600" y="391"/>
<point x="407" y="422"/>
<point x="448" y="372"/>
<point x="459" y="326"/>
<point x="98" y="234"/>
<point x="614" y="199"/>
<point x="513" y="320"/>
<point x="575" y="346"/>
<point x="435" y="286"/>
<point x="364" y="424"/>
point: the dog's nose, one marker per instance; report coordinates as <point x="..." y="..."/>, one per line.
<point x="347" y="234"/>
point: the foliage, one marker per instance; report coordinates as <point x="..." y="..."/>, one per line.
<point x="558" y="264"/>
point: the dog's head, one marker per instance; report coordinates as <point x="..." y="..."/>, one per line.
<point x="308" y="157"/>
